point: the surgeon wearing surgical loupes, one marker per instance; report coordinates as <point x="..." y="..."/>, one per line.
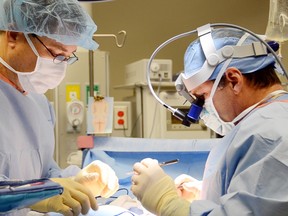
<point x="247" y="170"/>
<point x="38" y="39"/>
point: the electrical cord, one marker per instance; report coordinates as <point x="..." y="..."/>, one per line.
<point x="156" y="105"/>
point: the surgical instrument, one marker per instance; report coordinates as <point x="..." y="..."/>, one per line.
<point x="165" y="163"/>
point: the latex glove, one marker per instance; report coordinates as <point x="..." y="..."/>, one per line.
<point x="74" y="200"/>
<point x="188" y="187"/>
<point x="99" y="178"/>
<point x="156" y="190"/>
<point x="147" y="172"/>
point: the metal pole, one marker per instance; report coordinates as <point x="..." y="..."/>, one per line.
<point x="91" y="72"/>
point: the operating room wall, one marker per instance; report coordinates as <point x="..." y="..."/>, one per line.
<point x="148" y="23"/>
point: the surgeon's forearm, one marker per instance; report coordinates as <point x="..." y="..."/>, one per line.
<point x="162" y="199"/>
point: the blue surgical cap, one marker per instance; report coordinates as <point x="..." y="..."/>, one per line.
<point x="62" y="20"/>
<point x="194" y="56"/>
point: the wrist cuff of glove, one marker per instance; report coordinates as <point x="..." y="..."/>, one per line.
<point x="162" y="199"/>
<point x="41" y="206"/>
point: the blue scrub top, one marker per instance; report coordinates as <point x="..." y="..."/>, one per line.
<point x="246" y="172"/>
<point x="27" y="135"/>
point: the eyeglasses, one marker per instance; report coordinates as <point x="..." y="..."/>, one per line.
<point x="59" y="58"/>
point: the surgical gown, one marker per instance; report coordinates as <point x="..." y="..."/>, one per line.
<point x="27" y="136"/>
<point x="247" y="171"/>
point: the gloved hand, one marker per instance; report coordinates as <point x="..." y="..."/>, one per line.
<point x="99" y="178"/>
<point x="156" y="190"/>
<point x="188" y="187"/>
<point x="74" y="200"/>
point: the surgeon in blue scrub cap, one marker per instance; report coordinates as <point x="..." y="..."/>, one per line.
<point x="246" y="171"/>
<point x="38" y="40"/>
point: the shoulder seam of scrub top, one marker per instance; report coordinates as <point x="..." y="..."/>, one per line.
<point x="5" y="79"/>
<point x="267" y="103"/>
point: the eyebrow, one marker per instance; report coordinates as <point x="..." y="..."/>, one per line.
<point x="61" y="47"/>
<point x="66" y="50"/>
<point x="52" y="48"/>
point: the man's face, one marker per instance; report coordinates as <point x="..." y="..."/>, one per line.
<point x="24" y="59"/>
<point x="222" y="99"/>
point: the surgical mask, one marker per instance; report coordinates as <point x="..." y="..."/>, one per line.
<point x="209" y="114"/>
<point x="46" y="75"/>
<point x="212" y="120"/>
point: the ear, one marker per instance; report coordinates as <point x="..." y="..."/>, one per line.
<point x="13" y="38"/>
<point x="235" y="77"/>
